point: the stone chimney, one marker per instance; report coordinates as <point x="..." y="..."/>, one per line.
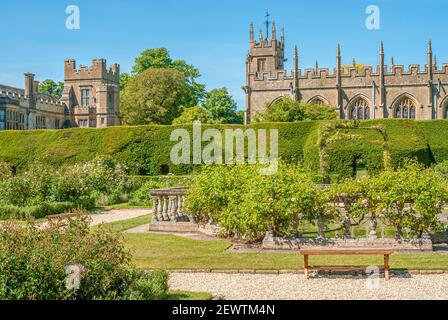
<point x="29" y="85"/>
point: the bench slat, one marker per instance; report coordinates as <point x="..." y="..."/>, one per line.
<point x="344" y="251"/>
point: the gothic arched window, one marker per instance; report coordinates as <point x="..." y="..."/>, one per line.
<point x="405" y="108"/>
<point x="412" y="114"/>
<point x="367" y="113"/>
<point x="353" y="113"/>
<point x="359" y="110"/>
<point x="405" y="112"/>
<point x="360" y="114"/>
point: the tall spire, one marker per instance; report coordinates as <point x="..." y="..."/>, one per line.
<point x="382" y="102"/>
<point x="274" y="31"/>
<point x="261" y="35"/>
<point x="429" y="56"/>
<point x="296" y="74"/>
<point x="283" y="36"/>
<point x="392" y="62"/>
<point x="431" y="81"/>
<point x="251" y="32"/>
<point x="296" y="58"/>
<point x="339" y="80"/>
<point x="435" y="61"/>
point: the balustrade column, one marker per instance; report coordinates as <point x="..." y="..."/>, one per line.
<point x="155" y="206"/>
<point x="165" y="208"/>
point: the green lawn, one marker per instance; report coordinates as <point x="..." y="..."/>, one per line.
<point x="161" y="251"/>
<point x="120" y="226"/>
<point x="152" y="251"/>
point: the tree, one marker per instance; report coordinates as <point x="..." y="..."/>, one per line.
<point x="221" y="106"/>
<point x="288" y="110"/>
<point x="154" y="96"/>
<point x="193" y="114"/>
<point x="160" y="58"/>
<point x="319" y="112"/>
<point x="52" y="88"/>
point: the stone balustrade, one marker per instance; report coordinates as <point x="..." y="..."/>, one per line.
<point x="168" y="205"/>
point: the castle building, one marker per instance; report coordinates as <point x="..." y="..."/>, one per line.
<point x="357" y="94"/>
<point x="90" y="98"/>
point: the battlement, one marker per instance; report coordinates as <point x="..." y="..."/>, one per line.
<point x="98" y="70"/>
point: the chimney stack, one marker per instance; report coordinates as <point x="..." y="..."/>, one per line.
<point x="29" y="85"/>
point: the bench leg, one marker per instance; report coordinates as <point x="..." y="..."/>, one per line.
<point x="386" y="267"/>
<point x="305" y="266"/>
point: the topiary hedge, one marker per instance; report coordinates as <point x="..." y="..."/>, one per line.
<point x="146" y="149"/>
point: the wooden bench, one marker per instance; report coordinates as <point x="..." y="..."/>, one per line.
<point x="306" y="252"/>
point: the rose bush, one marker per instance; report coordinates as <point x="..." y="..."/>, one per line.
<point x="34" y="263"/>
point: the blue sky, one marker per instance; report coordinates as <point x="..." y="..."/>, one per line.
<point x="212" y="35"/>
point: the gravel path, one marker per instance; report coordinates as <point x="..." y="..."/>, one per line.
<point x="118" y="215"/>
<point x="296" y="287"/>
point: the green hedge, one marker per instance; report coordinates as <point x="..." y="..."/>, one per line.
<point x="146" y="149"/>
<point x="39" y="211"/>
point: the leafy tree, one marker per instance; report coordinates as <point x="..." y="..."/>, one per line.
<point x="319" y="112"/>
<point x="194" y="114"/>
<point x="52" y="88"/>
<point x="221" y="106"/>
<point x="154" y="96"/>
<point x="288" y="110"/>
<point x="160" y="58"/>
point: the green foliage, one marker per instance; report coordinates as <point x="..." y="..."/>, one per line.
<point x="34" y="260"/>
<point x="148" y="285"/>
<point x="192" y="114"/>
<point x="154" y="96"/>
<point x="245" y="203"/>
<point x="51" y="88"/>
<point x="221" y="106"/>
<point x="442" y="169"/>
<point x="160" y="59"/>
<point x="43" y="190"/>
<point x="319" y="112"/>
<point x="146" y="149"/>
<point x="288" y="110"/>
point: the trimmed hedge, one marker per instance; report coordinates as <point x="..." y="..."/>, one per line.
<point x="37" y="212"/>
<point x="146" y="149"/>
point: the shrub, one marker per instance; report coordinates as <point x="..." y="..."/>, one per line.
<point x="33" y="261"/>
<point x="43" y="190"/>
<point x="148" y="285"/>
<point x="247" y="204"/>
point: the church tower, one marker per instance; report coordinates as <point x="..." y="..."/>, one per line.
<point x="265" y="58"/>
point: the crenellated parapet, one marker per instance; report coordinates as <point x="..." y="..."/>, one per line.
<point x="98" y="70"/>
<point x="381" y="91"/>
